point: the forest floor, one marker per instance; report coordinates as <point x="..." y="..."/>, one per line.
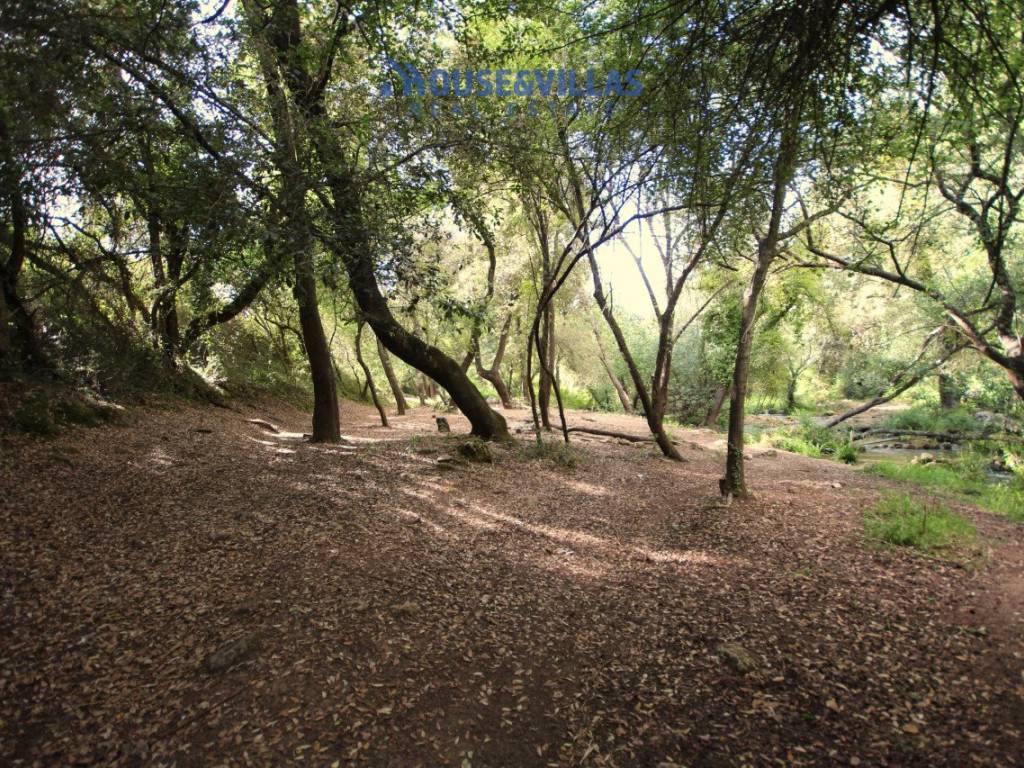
<point x="188" y="588"/>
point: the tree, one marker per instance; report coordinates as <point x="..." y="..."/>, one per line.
<point x="967" y="115"/>
<point x="301" y="81"/>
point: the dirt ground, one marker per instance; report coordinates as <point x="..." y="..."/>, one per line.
<point x="191" y="589"/>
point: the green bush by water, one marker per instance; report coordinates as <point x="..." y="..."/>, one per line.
<point x="966" y="479"/>
<point x="812" y="439"/>
<point x="932" y="418"/>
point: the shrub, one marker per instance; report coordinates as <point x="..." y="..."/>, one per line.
<point x="34" y="417"/>
<point x="812" y="439"/>
<point x="558" y="452"/>
<point x="847" y="453"/>
<point x="932" y="418"/>
<point x="794" y="443"/>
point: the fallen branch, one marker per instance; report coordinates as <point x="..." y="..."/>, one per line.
<point x="900" y="384"/>
<point x="608" y="433"/>
<point x="265" y="425"/>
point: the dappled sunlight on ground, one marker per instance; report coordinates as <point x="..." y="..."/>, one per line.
<point x="406" y="611"/>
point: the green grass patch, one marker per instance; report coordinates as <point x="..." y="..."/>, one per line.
<point x="792" y="441"/>
<point x="966" y="480"/>
<point x="901" y="521"/>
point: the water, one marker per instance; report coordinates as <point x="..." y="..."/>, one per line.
<point x="906" y="455"/>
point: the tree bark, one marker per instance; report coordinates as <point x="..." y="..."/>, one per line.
<point x="734" y="482"/>
<point x="369" y="377"/>
<point x="716" y="406"/>
<point x="396" y="388"/>
<point x="620" y="390"/>
<point x="949" y="397"/>
<point x="349" y="239"/>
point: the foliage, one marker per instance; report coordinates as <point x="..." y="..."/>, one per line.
<point x="932" y="418"/>
<point x="812" y="439"/>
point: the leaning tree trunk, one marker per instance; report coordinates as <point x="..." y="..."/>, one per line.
<point x="655" y="420"/>
<point x="349" y="240"/>
<point x="396" y="388"/>
<point x="716" y="406"/>
<point x="620" y="390"/>
<point x="485" y="422"/>
<point x="369" y="377"/>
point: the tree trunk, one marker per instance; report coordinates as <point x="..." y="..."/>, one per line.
<point x="791" y="394"/>
<point x="19" y="341"/>
<point x="493" y="374"/>
<point x="734" y="482"/>
<point x="547" y="345"/>
<point x="655" y="420"/>
<point x="297" y="238"/>
<point x="485" y="422"/>
<point x="369" y="377"/>
<point x="620" y="390"/>
<point x="949" y="396"/>
<point x="349" y="239"/>
<point x="716" y="406"/>
<point x="326" y="418"/>
<point x="396" y="388"/>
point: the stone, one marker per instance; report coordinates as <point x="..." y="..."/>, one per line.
<point x="409" y="608"/>
<point x="450" y="463"/>
<point x="442" y="425"/>
<point x="231" y="653"/>
<point x="737" y="657"/>
<point x="477" y="450"/>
